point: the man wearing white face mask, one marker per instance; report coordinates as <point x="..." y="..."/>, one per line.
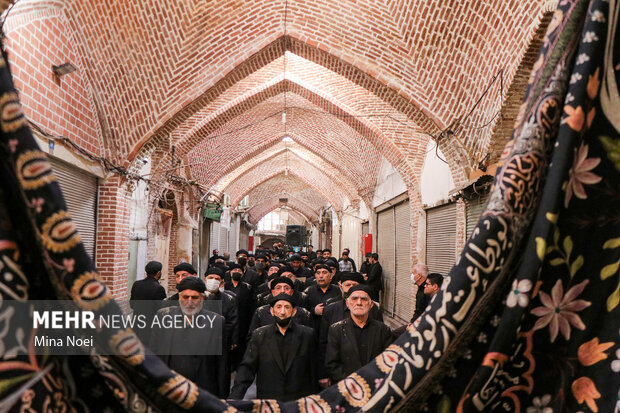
<point x="214" y="280"/>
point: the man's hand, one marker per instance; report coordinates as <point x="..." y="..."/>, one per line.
<point x="234" y="346"/>
<point x="325" y="383"/>
<point x="318" y="310"/>
<point x="365" y="277"/>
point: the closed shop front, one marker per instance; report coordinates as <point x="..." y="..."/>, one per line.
<point x="441" y="238"/>
<point x="244" y="237"/>
<point x="79" y="189"/>
<point x="475" y="208"/>
<point x="214" y="241"/>
<point x="394" y="249"/>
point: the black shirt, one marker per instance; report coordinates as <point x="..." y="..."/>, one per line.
<point x="361" y="337"/>
<point x="285" y="343"/>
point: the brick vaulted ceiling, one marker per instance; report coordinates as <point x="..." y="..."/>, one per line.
<point x="360" y="80"/>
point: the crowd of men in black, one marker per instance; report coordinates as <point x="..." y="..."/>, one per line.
<point x="294" y="322"/>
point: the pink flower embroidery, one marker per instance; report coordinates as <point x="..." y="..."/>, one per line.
<point x="559" y="310"/>
<point x="69" y="264"/>
<point x="37" y="204"/>
<point x="580" y="174"/>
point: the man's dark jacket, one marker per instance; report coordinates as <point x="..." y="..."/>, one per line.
<point x="209" y="372"/>
<point x="421" y="302"/>
<point x="245" y="305"/>
<point x="375" y="279"/>
<point x="262" y="317"/>
<point x="342" y="357"/>
<point x="229" y="311"/>
<point x="335" y="311"/>
<point x="274" y="380"/>
<point x="146" y="298"/>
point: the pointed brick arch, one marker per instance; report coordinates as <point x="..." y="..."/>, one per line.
<point x="287" y="160"/>
<point x="245" y="165"/>
<point x="395" y="96"/>
<point x="257" y="212"/>
<point x="287" y="187"/>
<point x="245" y="184"/>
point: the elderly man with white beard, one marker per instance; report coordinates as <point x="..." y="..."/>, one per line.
<point x="190" y="339"/>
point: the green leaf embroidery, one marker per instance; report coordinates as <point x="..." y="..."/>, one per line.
<point x="611" y="243"/>
<point x="576" y="265"/>
<point x="612" y="147"/>
<point x="614" y="299"/>
<point x="568" y="246"/>
<point x="557" y="261"/>
<point x="553" y="218"/>
<point x="609" y="270"/>
<point x="540" y="247"/>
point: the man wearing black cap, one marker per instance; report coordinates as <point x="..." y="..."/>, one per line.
<point x="353" y="342"/>
<point x="334" y="268"/>
<point x="260" y="266"/>
<point x="264" y="289"/>
<point x="336" y="310"/>
<point x="318" y="294"/>
<point x="311" y="253"/>
<point x="262" y="315"/>
<point x="214" y="280"/>
<point x="181" y="271"/>
<point x="249" y="275"/>
<point x="187" y="349"/>
<point x="245" y="308"/>
<point x="280" y="355"/>
<point x="145" y="293"/>
<point x="149" y="287"/>
<point x="298" y="268"/>
<point x="375" y="276"/>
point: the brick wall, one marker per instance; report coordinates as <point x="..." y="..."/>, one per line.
<point x="64" y="106"/>
<point x="112" y="255"/>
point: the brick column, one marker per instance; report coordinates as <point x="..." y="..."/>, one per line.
<point x="112" y="256"/>
<point x="460" y="228"/>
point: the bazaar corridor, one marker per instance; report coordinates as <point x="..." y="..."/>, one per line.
<point x="415" y="201"/>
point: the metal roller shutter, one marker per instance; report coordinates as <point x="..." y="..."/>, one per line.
<point x="403" y="308"/>
<point x="244" y="238"/>
<point x="232" y="237"/>
<point x="441" y="238"/>
<point x="79" y="189"/>
<point x="385" y="249"/>
<point x="224" y="241"/>
<point x="474" y="209"/>
<point x="214" y="241"/>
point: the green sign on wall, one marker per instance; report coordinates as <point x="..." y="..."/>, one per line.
<point x="212" y="211"/>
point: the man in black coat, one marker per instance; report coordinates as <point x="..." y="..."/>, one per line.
<point x="365" y="268"/>
<point x="301" y="272"/>
<point x="431" y="285"/>
<point x="318" y="294"/>
<point x="353" y="342"/>
<point x="262" y="315"/>
<point x="245" y="308"/>
<point x="197" y="349"/>
<point x="145" y="296"/>
<point x="281" y="356"/>
<point x="311" y="253"/>
<point x="181" y="271"/>
<point x="420" y="273"/>
<point x="375" y="277"/>
<point x="214" y="280"/>
<point x="336" y="310"/>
